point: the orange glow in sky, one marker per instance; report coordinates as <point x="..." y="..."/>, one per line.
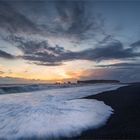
<point x="68" y="71"/>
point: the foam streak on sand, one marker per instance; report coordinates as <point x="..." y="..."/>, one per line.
<point x="52" y="113"/>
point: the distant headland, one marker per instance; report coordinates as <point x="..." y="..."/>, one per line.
<point x="97" y="81"/>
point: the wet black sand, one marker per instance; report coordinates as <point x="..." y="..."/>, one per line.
<point x="125" y="122"/>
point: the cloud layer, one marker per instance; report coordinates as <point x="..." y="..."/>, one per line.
<point x="42" y="53"/>
<point x="71" y="18"/>
<point x="47" y="33"/>
<point x="6" y="55"/>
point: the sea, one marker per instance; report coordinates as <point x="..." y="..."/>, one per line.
<point x="51" y="111"/>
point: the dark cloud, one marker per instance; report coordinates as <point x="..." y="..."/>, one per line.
<point x="14" y="22"/>
<point x="121" y="65"/>
<point x="71" y="18"/>
<point x="75" y="18"/>
<point x="113" y="50"/>
<point x="41" y="52"/>
<point x="29" y="23"/>
<point x="48" y="63"/>
<point x="136" y="44"/>
<point x="6" y="55"/>
<point x="65" y="18"/>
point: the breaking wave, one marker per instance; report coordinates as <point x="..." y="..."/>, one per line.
<point x="52" y="113"/>
<point x="27" y="88"/>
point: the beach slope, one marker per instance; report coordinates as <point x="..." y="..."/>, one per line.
<point x="125" y="122"/>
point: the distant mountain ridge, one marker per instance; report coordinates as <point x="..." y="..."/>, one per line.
<point x="97" y="81"/>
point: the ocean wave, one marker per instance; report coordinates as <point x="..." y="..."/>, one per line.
<point x="52" y="113"/>
<point x="6" y="89"/>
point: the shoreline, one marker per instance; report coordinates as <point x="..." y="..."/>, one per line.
<point x="124" y="123"/>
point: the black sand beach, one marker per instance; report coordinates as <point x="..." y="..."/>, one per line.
<point x="125" y="122"/>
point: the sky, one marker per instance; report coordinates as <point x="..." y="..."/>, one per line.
<point x="60" y="40"/>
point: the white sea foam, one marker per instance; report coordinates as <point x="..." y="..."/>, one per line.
<point x="52" y="113"/>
